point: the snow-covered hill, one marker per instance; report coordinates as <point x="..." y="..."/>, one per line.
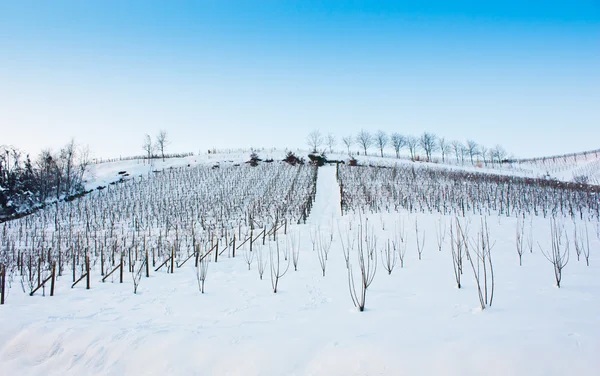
<point x="416" y="321"/>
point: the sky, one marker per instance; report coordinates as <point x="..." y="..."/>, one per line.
<point x="239" y="74"/>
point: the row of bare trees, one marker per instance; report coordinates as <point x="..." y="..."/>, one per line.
<point x="427" y="143"/>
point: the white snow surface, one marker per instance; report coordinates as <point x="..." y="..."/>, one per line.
<point x="416" y="321"/>
<point x="564" y="170"/>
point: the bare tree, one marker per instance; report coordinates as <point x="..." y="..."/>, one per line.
<point x="443" y="146"/>
<point x="457" y="148"/>
<point x="322" y="251"/>
<point x="420" y="244"/>
<point x="367" y="262"/>
<point x="148" y="146"/>
<point x="84" y="161"/>
<point x="388" y="257"/>
<point x="440" y="233"/>
<point x="559" y="250"/>
<point x="347" y="245"/>
<point x="482" y="250"/>
<point x="348" y="141"/>
<point x="314" y="140"/>
<point x="249" y="256"/>
<point x="520" y="239"/>
<point x="428" y="144"/>
<point x="67" y="164"/>
<point x="484" y="151"/>
<point x="331" y="142"/>
<point x="202" y="268"/>
<point x="295" y="246"/>
<point x="498" y="154"/>
<point x="472" y="149"/>
<point x="413" y="144"/>
<point x="381" y="139"/>
<point x="398" y="142"/>
<point x="582" y="246"/>
<point x="364" y="139"/>
<point x="276" y="270"/>
<point x="456" y="245"/>
<point x="162" y="141"/>
<point x="261" y="261"/>
<point x="398" y="242"/>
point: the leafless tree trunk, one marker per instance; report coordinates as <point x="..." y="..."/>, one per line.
<point x="202" y="270"/>
<point x="314" y="140"/>
<point x="364" y="139"/>
<point x="323" y="246"/>
<point x="440" y="233"/>
<point x="413" y="143"/>
<point x="347" y="245"/>
<point x="482" y="249"/>
<point x="420" y="244"/>
<point x="248" y="256"/>
<point x="456" y="244"/>
<point x="331" y="141"/>
<point x="162" y="142"/>
<point x="428" y="144"/>
<point x="381" y="138"/>
<point x="148" y="146"/>
<point x="520" y="239"/>
<point x="294" y="239"/>
<point x="276" y="272"/>
<point x="443" y="146"/>
<point x="559" y="252"/>
<point x="367" y="262"/>
<point x="348" y="141"/>
<point x="388" y="257"/>
<point x="398" y="142"/>
<point x="472" y="149"/>
<point x="261" y="261"/>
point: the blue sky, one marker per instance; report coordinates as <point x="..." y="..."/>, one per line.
<point x="230" y="74"/>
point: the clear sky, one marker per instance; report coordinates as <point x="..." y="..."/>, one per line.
<point x="228" y="74"/>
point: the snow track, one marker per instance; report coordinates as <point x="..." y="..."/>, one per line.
<point x="326" y="207"/>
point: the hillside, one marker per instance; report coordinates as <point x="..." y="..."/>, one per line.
<point x="409" y="221"/>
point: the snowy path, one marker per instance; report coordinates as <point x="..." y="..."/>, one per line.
<point x="327" y="202"/>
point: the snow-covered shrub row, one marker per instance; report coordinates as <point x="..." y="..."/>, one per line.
<point x="170" y="215"/>
<point x="451" y="192"/>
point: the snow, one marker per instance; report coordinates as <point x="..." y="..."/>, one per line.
<point x="416" y="321"/>
<point x="565" y="170"/>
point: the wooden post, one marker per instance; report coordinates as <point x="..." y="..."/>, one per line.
<point x="53" y="279"/>
<point x="87" y="272"/>
<point x="234" y="245"/>
<point x="74" y="276"/>
<point x="173" y="259"/>
<point x="121" y="271"/>
<point x="2" y="282"/>
<point x="147" y="265"/>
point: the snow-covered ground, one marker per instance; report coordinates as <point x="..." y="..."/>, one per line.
<point x="416" y="321"/>
<point x="564" y="170"/>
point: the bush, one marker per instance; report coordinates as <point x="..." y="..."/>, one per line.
<point x="317" y="159"/>
<point x="292" y="159"/>
<point x="254" y="159"/>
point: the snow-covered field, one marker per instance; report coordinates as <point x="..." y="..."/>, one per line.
<point x="416" y="320"/>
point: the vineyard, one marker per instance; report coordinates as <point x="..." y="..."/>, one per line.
<point x="279" y="269"/>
